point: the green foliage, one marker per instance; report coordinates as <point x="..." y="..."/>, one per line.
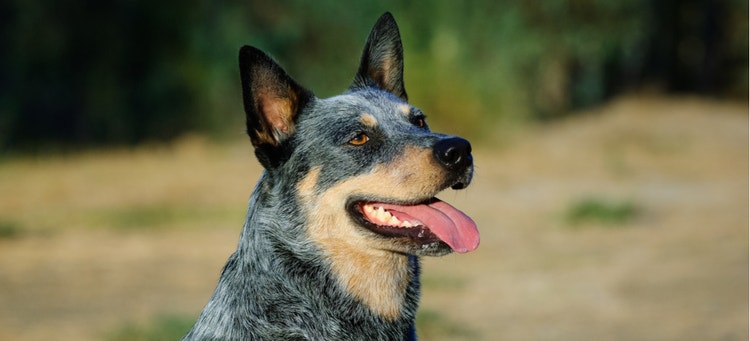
<point x="165" y="216"/>
<point x="430" y="325"/>
<point x="10" y="230"/>
<point x="595" y="210"/>
<point x="169" y="327"/>
<point x="433" y="325"/>
<point x="432" y="282"/>
<point x="132" y="71"/>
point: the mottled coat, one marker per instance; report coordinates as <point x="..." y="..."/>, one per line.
<point x="313" y="261"/>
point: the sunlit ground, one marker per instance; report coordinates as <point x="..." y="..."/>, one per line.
<point x="629" y="222"/>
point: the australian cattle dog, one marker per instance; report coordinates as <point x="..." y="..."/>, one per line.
<point x="344" y="208"/>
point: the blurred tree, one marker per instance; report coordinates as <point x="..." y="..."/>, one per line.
<point x="91" y="72"/>
<point x="77" y="73"/>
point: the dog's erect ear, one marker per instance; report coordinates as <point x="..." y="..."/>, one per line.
<point x="272" y="99"/>
<point x="382" y="63"/>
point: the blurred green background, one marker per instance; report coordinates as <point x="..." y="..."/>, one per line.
<point x="81" y="73"/>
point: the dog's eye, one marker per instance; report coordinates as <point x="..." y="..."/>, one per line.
<point x="418" y="121"/>
<point x="359" y="139"/>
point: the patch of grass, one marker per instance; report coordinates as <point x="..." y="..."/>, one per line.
<point x="442" y="282"/>
<point x="432" y="325"/>
<point x="10" y="230"/>
<point x="597" y="210"/>
<point x="167" y="327"/>
<point x="137" y="217"/>
<point x="148" y="217"/>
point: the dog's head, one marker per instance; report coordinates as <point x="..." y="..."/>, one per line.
<point x="363" y="166"/>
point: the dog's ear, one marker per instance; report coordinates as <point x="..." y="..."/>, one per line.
<point x="382" y="63"/>
<point x="272" y="102"/>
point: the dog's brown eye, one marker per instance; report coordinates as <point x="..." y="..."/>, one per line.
<point x="418" y="121"/>
<point x="359" y="140"/>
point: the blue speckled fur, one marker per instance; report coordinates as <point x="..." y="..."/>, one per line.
<point x="280" y="283"/>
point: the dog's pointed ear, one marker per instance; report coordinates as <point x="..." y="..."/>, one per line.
<point x="272" y="102"/>
<point x="382" y="63"/>
<point x="272" y="99"/>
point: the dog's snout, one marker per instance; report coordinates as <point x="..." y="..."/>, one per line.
<point x="453" y="153"/>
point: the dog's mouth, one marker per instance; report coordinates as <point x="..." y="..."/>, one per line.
<point x="427" y="222"/>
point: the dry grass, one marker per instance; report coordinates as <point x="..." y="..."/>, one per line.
<point x="93" y="242"/>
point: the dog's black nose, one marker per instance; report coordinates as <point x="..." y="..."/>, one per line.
<point x="453" y="153"/>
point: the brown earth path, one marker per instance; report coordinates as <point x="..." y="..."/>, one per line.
<point x="95" y="240"/>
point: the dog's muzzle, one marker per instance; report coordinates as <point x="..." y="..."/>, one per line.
<point x="454" y="154"/>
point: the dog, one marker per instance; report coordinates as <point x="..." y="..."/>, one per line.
<point x="344" y="208"/>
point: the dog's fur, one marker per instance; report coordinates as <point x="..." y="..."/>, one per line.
<point x="310" y="264"/>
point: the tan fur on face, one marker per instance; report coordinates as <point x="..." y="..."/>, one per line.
<point x="368" y="120"/>
<point x="404" y="108"/>
<point x="367" y="266"/>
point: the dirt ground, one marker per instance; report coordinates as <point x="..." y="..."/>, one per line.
<point x="92" y="241"/>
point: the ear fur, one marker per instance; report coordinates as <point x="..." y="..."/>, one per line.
<point x="272" y="99"/>
<point x="382" y="63"/>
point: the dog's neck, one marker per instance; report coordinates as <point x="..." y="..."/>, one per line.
<point x="379" y="279"/>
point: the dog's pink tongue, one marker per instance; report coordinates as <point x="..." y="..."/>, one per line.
<point x="448" y="223"/>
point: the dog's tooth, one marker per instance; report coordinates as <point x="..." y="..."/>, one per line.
<point x="369" y="209"/>
<point x="394" y="221"/>
<point x="377" y="213"/>
<point x="382" y="214"/>
<point x="406" y="223"/>
<point x="385" y="219"/>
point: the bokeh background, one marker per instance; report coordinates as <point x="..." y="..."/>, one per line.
<point x="611" y="145"/>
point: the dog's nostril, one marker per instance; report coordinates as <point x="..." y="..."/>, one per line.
<point x="459" y="185"/>
<point x="453" y="153"/>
